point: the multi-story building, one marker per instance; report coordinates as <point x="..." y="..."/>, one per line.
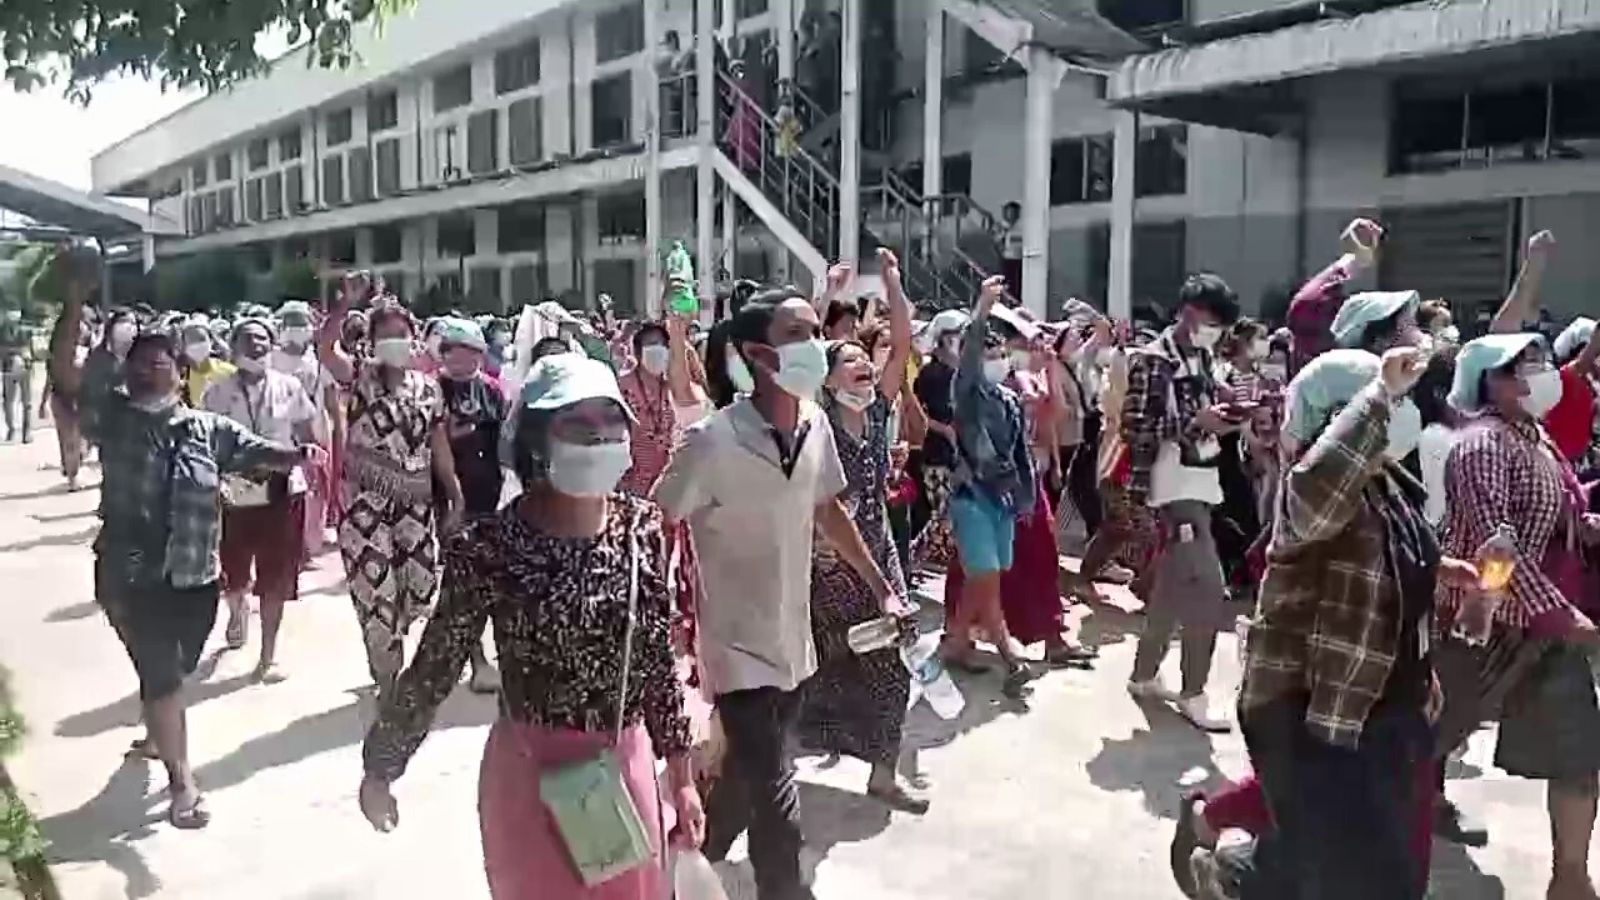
<point x="505" y="150"/>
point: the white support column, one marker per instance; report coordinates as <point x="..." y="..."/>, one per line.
<point x="850" y="135"/>
<point x="1043" y="69"/>
<point x="652" y="168"/>
<point x="933" y="103"/>
<point x="730" y="209"/>
<point x="783" y="22"/>
<point x="147" y="251"/>
<point x="1119" y="281"/>
<point x="705" y="175"/>
<point x="730" y="21"/>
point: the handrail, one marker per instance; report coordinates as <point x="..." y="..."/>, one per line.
<point x="734" y="92"/>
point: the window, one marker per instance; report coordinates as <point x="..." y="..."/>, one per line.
<point x="294" y="190"/>
<point x="620" y="279"/>
<point x="525" y="281"/>
<point x="517" y="67"/>
<point x="1080" y="170"/>
<point x="225" y="206"/>
<point x="289" y="144"/>
<point x="483" y="141"/>
<point x="611" y="109"/>
<point x="1426" y="133"/>
<point x="956" y="177"/>
<point x="526" y="127"/>
<point x="339" y="127"/>
<point x="342" y="248"/>
<point x="620" y="216"/>
<point x="388" y="167"/>
<point x="223" y="167"/>
<point x="1162" y="166"/>
<point x="452" y="89"/>
<point x="457" y="236"/>
<point x="1575" y="120"/>
<point x="388" y="244"/>
<point x="1136" y="15"/>
<point x="360" y="175"/>
<point x="619" y="32"/>
<point x="1507" y="123"/>
<point x="521" y="227"/>
<point x="484" y="291"/>
<point x="383" y="111"/>
<point x="333" y="181"/>
<point x="257" y="154"/>
<point x="1440" y="123"/>
<point x="252" y="200"/>
<point x="198" y="170"/>
<point x="274" y="195"/>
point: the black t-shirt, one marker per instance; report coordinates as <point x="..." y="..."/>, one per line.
<point x="480" y="405"/>
<point x="933" y="388"/>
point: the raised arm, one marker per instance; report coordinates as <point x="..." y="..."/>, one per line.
<point x="1591" y="352"/>
<point x="838" y="276"/>
<point x="65" y="373"/>
<point x="1518" y="307"/>
<point x="894" y="370"/>
<point x="679" y="379"/>
<point x="329" y="353"/>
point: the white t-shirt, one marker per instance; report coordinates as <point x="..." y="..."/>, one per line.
<point x="1433" y="449"/>
<point x="313" y="376"/>
<point x="753" y="537"/>
<point x="271" y="408"/>
<point x="1171" y="480"/>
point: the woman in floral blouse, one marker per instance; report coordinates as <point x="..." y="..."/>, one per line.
<point x="552" y="574"/>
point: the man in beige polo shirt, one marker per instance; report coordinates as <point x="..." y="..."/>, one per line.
<point x="753" y="481"/>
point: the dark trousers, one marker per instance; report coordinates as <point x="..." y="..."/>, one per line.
<point x="757" y="789"/>
<point x="1345" y="818"/>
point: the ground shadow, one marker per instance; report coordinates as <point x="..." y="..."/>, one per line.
<point x="51" y="540"/>
<point x="104" y="829"/>
<point x="126" y="711"/>
<point x="829" y="817"/>
<point x="63" y="517"/>
<point x="73" y="613"/>
<point x="50" y="491"/>
<point x="1153" y="760"/>
<point x="1456" y="876"/>
<point x="1106" y="625"/>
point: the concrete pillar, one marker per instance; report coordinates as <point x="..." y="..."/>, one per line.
<point x="705" y="175"/>
<point x="850" y="135"/>
<point x="730" y="256"/>
<point x="730" y="20"/>
<point x="651" y="305"/>
<point x="783" y="22"/>
<point x="1119" y="281"/>
<point x="147" y="251"/>
<point x="933" y="103"/>
<point x="1043" y="69"/>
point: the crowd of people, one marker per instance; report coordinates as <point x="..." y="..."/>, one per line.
<point x="673" y="534"/>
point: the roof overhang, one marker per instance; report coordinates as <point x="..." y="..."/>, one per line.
<point x="51" y="204"/>
<point x="1245" y="82"/>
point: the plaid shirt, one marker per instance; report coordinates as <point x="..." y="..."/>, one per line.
<point x="1160" y="402"/>
<point x="1501" y="472"/>
<point x="161" y="478"/>
<point x="1328" y="617"/>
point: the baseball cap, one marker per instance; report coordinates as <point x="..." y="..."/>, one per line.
<point x="563" y="379"/>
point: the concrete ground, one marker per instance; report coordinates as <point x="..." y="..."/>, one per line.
<point x="1071" y="794"/>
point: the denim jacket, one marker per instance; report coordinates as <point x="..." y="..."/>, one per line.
<point x="991" y="434"/>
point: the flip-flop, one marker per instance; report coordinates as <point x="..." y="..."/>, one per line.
<point x="897" y="799"/>
<point x="192" y="818"/>
<point x="142" y="748"/>
<point x="237" y="631"/>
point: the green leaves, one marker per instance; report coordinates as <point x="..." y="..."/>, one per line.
<point x="208" y="44"/>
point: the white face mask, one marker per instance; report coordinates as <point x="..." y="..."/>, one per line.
<point x="296" y="337"/>
<point x="802" y="368"/>
<point x="1448" y="335"/>
<point x="588" y="470"/>
<point x="1275" y="371"/>
<point x="654" y="359"/>
<point x="122" y="334"/>
<point x="197" y="352"/>
<point x="156" y="404"/>
<point x="1405" y="430"/>
<point x="1544" y="392"/>
<point x="996" y="370"/>
<point x="250" y="365"/>
<point x="1205" y="337"/>
<point x="395" y="351"/>
<point x="855" y="399"/>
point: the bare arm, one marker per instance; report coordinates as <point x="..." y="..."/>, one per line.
<point x="678" y="376"/>
<point x="894" y="371"/>
<point x="444" y="469"/>
<point x="914" y="421"/>
<point x="840" y="531"/>
<point x="1591" y="353"/>
<point x="1518" y="307"/>
<point x="329" y="353"/>
<point x="65" y="372"/>
<point x="838" y="276"/>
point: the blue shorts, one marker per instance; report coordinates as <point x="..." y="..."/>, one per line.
<point x="984" y="533"/>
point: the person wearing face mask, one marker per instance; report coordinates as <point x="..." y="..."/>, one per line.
<point x="1339" y="688"/>
<point x="757" y="481"/>
<point x="16" y="372"/>
<point x="1571" y="421"/>
<point x="397" y="449"/>
<point x="934" y="391"/>
<point x="201" y="368"/>
<point x="156" y="569"/>
<point x="855" y="704"/>
<point x="1237" y="522"/>
<point x="1505" y="472"/>
<point x="262" y="517"/>
<point x="654" y="388"/>
<point x="102" y="370"/>
<point x="294" y="356"/>
<point x="573" y="577"/>
<point x="64" y="382"/>
<point x="1316" y="305"/>
<point x="1172" y="420"/>
<point x="994" y="482"/>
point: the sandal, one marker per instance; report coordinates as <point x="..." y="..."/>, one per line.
<point x="897" y="799"/>
<point x="1071" y="656"/>
<point x="237" y="631"/>
<point x="190" y="818"/>
<point x="142" y="748"/>
<point x="267" y="673"/>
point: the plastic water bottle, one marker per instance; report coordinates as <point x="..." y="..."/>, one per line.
<point x="930" y="681"/>
<point x="680" y="273"/>
<point x="694" y="879"/>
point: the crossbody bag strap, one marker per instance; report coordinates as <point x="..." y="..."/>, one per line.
<point x="633" y="619"/>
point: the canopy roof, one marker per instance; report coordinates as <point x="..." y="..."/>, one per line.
<point x="52" y="204"/>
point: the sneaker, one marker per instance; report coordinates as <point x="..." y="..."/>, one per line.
<point x="1152" y="690"/>
<point x="1197" y="710"/>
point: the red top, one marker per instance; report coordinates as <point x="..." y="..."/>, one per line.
<point x="1312" y="311"/>
<point x="1571" y="421"/>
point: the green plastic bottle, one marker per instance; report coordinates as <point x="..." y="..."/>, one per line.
<point x="680" y="272"/>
